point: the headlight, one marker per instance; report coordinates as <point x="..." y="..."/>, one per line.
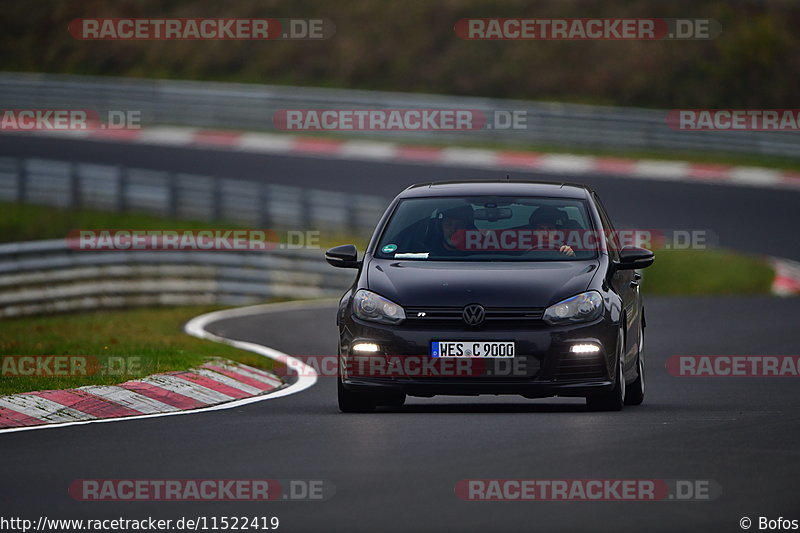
<point x="369" y="306"/>
<point x="581" y="308"/>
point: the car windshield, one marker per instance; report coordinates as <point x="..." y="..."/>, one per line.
<point x="489" y="228"/>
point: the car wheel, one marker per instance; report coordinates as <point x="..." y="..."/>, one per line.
<point x="350" y="401"/>
<point x="354" y="402"/>
<point x="612" y="400"/>
<point x="635" y="391"/>
<point x="392" y="400"/>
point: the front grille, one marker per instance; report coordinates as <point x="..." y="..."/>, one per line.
<point x="495" y="316"/>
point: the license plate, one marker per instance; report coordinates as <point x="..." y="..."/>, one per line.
<point x="472" y="349"/>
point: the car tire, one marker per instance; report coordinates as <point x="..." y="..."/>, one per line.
<point x="394" y="399"/>
<point x="350" y="401"/>
<point x="614" y="399"/>
<point x="354" y="402"/>
<point x="634" y="393"/>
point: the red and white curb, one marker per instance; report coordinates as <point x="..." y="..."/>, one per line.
<point x="787" y="277"/>
<point x="218" y="384"/>
<point x="574" y="165"/>
<point x="214" y="383"/>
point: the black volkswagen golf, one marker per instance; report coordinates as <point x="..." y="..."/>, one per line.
<point x="492" y="287"/>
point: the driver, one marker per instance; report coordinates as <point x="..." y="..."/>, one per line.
<point x="454" y="223"/>
<point x="546" y="220"/>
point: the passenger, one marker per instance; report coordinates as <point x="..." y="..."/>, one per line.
<point x="546" y="220"/>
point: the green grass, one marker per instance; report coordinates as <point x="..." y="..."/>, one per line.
<point x="148" y="340"/>
<point x="707" y="272"/>
<point x="22" y="222"/>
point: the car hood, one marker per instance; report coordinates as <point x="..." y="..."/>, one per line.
<point x="491" y="284"/>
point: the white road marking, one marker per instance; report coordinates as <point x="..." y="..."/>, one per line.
<point x="468" y="156"/>
<point x="452" y="156"/>
<point x="264" y="142"/>
<point x="566" y="163"/>
<point x="754" y="176"/>
<point x="665" y="170"/>
<point x="368" y="150"/>
<point x="196" y="328"/>
<point x="166" y="135"/>
<point x="307" y="376"/>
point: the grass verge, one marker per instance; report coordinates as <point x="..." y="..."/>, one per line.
<point x="128" y="344"/>
<point x="707" y="272"/>
<point x="23" y="222"/>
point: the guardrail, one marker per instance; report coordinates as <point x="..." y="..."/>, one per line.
<point x="186" y="196"/>
<point x="251" y="107"/>
<point x="41" y="277"/>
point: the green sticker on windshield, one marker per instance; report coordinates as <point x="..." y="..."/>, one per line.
<point x="389" y="248"/>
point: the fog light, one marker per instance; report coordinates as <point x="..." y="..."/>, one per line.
<point x="370" y="347"/>
<point x="584" y="348"/>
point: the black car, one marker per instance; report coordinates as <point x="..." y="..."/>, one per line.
<point x="492" y="287"/>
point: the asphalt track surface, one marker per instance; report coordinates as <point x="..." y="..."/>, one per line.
<point x="749" y="219"/>
<point x="396" y="470"/>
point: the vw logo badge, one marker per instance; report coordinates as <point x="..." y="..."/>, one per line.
<point x="473" y="314"/>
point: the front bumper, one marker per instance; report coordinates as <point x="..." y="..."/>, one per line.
<point x="543" y="365"/>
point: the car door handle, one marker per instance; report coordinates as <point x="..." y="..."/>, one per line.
<point x="637" y="275"/>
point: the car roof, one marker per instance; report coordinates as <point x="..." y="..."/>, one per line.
<point x="497" y="187"/>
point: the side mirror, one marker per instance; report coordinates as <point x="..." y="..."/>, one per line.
<point x="345" y="256"/>
<point x="632" y="258"/>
